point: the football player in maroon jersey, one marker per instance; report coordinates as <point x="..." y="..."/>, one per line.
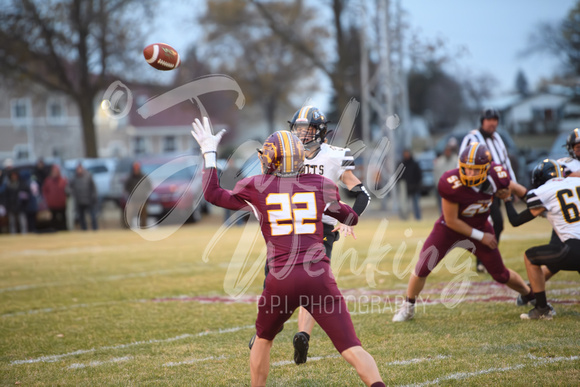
<point x="467" y="193"/>
<point x="289" y="207"/>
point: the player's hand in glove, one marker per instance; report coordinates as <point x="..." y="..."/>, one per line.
<point x="204" y="137"/>
<point x="207" y="141"/>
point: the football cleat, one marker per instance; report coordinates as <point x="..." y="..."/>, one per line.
<point x="300" y="342"/>
<point x="405" y="313"/>
<point x="522" y="301"/>
<point x="538" y="314"/>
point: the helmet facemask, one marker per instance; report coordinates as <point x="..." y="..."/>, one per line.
<point x="310" y="135"/>
<point x="474" y="164"/>
<point x="310" y="125"/>
<point x="473" y="175"/>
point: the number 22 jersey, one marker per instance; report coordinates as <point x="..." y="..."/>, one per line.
<point x="289" y="210"/>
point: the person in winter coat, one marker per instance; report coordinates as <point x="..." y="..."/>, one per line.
<point x="17" y="196"/>
<point x="84" y="192"/>
<point x="54" y="191"/>
<point x="413" y="177"/>
<point x="132" y="209"/>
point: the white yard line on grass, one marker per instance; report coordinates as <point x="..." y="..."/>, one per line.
<point x="70" y="250"/>
<point x="53" y="358"/>
<point x="417" y="360"/>
<point x="193" y="361"/>
<point x="95" y="363"/>
<point x="63" y="308"/>
<point x="116" y="277"/>
<point x="466" y="375"/>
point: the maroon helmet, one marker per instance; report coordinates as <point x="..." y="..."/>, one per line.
<point x="282" y="154"/>
<point x="474" y="163"/>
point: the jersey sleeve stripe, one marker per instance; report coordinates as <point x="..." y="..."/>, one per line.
<point x="532" y="200"/>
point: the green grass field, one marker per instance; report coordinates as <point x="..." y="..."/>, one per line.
<point x="111" y="308"/>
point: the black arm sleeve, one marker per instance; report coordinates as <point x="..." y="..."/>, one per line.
<point x="362" y="199"/>
<point x="515" y="218"/>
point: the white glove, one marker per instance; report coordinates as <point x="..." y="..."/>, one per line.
<point x="204" y="137"/>
<point x="207" y="141"/>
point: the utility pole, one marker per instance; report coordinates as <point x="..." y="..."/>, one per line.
<point x="384" y="92"/>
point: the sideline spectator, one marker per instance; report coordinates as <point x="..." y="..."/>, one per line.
<point x="139" y="197"/>
<point x="41" y="171"/>
<point x="413" y="178"/>
<point x="31" y="205"/>
<point x="84" y="192"/>
<point x="54" y="191"/>
<point x="17" y="196"/>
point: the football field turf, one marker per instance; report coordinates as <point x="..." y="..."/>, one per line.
<point x="112" y="308"/>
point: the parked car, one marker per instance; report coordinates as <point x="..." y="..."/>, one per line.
<point x="176" y="186"/>
<point x="557" y="151"/>
<point x="426" y="161"/>
<point x="120" y="175"/>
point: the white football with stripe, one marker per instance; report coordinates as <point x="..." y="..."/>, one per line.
<point x="161" y="56"/>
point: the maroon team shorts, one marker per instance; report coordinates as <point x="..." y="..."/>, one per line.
<point x="443" y="239"/>
<point x="318" y="294"/>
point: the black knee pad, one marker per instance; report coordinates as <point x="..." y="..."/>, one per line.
<point x="547" y="254"/>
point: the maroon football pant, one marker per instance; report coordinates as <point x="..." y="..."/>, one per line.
<point x="443" y="239"/>
<point x="312" y="286"/>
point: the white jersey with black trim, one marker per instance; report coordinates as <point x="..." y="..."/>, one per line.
<point x="495" y="145"/>
<point x="569" y="164"/>
<point x="561" y="199"/>
<point x="331" y="162"/>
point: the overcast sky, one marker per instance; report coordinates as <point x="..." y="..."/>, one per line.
<point x="493" y="32"/>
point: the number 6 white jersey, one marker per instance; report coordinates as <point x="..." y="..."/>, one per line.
<point x="561" y="198"/>
<point x="330" y="162"/>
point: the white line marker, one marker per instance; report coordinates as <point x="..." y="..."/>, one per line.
<point x="193" y="361"/>
<point x="95" y="363"/>
<point x="116" y="277"/>
<point x="53" y="358"/>
<point x="417" y="360"/>
<point x="465" y="375"/>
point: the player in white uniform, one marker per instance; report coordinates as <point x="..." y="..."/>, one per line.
<point x="335" y="163"/>
<point x="571" y="164"/>
<point x="559" y="198"/>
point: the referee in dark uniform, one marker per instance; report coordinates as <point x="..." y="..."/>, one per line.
<point x="487" y="135"/>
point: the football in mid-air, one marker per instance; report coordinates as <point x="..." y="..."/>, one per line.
<point x="161" y="56"/>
